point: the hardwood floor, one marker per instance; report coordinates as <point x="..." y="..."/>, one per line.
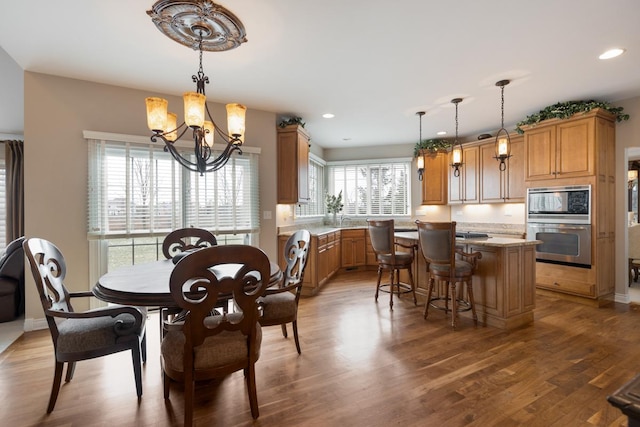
<point x="361" y="365"/>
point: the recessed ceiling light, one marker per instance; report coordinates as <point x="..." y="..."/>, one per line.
<point x="328" y="115"/>
<point x="442" y="132"/>
<point x="612" y="53"/>
<point x="346" y="139"/>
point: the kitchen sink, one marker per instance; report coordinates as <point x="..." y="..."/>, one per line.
<point x="470" y="235"/>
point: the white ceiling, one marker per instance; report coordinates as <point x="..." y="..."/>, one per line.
<point x="372" y="63"/>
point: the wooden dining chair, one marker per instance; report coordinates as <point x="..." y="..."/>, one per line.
<point x="280" y="303"/>
<point x="81" y="335"/>
<point x="187" y="239"/>
<point x="381" y="234"/>
<point x="203" y="346"/>
<point x="177" y="244"/>
<point x="437" y="242"/>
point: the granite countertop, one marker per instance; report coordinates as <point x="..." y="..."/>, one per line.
<point x="479" y="241"/>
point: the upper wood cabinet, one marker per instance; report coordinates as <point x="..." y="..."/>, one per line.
<point x="464" y="188"/>
<point x="434" y="178"/>
<point x="293" y="165"/>
<point x="502" y="186"/>
<point x="557" y="149"/>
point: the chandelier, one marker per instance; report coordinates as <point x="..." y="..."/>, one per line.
<point x="201" y="25"/>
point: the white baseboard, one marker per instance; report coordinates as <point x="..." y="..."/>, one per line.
<point x="622" y="298"/>
<point x="35" y="324"/>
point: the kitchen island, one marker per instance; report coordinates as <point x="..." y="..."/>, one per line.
<point x="504" y="282"/>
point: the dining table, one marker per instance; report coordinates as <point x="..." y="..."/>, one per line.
<point x="147" y="284"/>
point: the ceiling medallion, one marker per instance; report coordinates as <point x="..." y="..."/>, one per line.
<point x="185" y="21"/>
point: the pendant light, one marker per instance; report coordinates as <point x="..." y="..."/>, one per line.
<point x="456" y="152"/>
<point x="420" y="160"/>
<point x="503" y="142"/>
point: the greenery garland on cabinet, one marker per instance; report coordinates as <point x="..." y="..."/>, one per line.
<point x="564" y="110"/>
<point x="433" y="145"/>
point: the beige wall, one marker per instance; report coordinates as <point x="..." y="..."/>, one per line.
<point x="57" y="110"/>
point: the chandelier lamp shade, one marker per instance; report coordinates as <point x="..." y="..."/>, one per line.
<point x="503" y="142"/>
<point x="420" y="159"/>
<point x="201" y="25"/>
<point x="456" y="149"/>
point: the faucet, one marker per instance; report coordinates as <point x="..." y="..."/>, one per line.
<point x="344" y="218"/>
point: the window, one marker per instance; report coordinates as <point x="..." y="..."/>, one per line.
<point x="315" y="207"/>
<point x="371" y="187"/>
<point x="138" y="193"/>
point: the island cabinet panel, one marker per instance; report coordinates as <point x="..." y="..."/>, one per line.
<point x="504" y="284"/>
<point x="464" y="188"/>
<point x="506" y="186"/>
<point x="434" y="181"/>
<point x="353" y="248"/>
<point x="293" y="165"/>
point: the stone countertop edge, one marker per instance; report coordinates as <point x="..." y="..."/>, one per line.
<point x="482" y="241"/>
<point x="320" y="230"/>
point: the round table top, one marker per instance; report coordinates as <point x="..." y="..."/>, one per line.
<point x="148" y="284"/>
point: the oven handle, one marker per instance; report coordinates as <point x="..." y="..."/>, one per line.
<point x="558" y="227"/>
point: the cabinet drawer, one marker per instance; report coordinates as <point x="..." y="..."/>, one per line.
<point x="322" y="240"/>
<point x="570" y="280"/>
<point x="353" y="234"/>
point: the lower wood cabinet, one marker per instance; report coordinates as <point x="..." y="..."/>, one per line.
<point x="353" y="248"/>
<point x="322" y="263"/>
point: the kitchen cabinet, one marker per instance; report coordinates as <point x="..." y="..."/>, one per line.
<point x="434" y="180"/>
<point x="293" y="165"/>
<point x="506" y="186"/>
<point x="353" y="248"/>
<point x="558" y="149"/>
<point x="578" y="150"/>
<point x="464" y="188"/>
<point x="323" y="260"/>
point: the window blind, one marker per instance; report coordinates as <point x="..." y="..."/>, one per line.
<point x="137" y="189"/>
<point x="372" y="188"/>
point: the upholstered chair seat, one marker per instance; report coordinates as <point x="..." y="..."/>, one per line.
<point x="227" y="348"/>
<point x="462" y="268"/>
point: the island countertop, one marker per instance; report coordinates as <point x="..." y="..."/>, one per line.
<point x="501" y="242"/>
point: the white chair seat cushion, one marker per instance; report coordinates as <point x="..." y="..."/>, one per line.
<point x="278" y="306"/>
<point x="216" y="351"/>
<point x="88" y="334"/>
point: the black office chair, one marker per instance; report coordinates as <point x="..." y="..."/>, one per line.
<point x="12" y="281"/>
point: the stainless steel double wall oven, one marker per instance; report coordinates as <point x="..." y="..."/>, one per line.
<point x="561" y="218"/>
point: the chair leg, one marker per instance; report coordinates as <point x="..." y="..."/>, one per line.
<point x="284" y="330"/>
<point x="137" y="368"/>
<point x="251" y="388"/>
<point x="378" y="285"/>
<point x="429" y="293"/>
<point x="71" y="369"/>
<point x="472" y="302"/>
<point x="413" y="287"/>
<point x="165" y="384"/>
<point x="454" y="305"/>
<point x="57" y="379"/>
<point x="295" y="335"/>
<point x="391" y="271"/>
<point x="189" y="391"/>
<point x="143" y="347"/>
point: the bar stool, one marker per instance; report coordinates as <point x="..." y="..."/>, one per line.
<point x="384" y="245"/>
<point x="437" y="242"/>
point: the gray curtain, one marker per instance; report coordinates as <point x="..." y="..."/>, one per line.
<point x="15" y="189"/>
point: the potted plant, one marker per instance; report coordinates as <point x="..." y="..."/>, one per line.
<point x="564" y="110"/>
<point x="334" y="204"/>
<point x="434" y="146"/>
